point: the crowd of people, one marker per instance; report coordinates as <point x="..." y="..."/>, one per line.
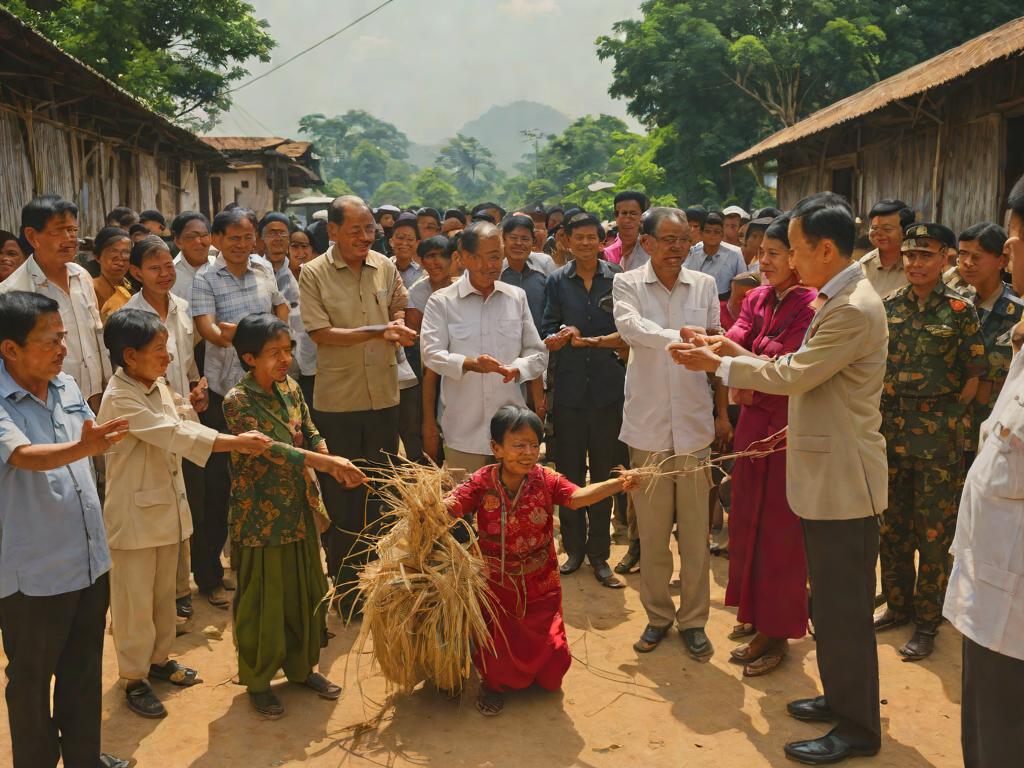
<point x="209" y="403"/>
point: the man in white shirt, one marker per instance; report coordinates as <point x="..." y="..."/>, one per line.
<point x="714" y="257"/>
<point x="883" y="267"/>
<point x="668" y="420"/>
<point x="479" y="336"/>
<point x="50" y="224"/>
<point x="191" y="233"/>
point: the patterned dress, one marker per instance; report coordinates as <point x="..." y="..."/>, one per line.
<point x="522" y="571"/>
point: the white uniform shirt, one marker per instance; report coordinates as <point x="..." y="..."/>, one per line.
<point x="985" y="595"/>
<point x="186" y="274"/>
<point x="181" y="341"/>
<point x="459" y="322"/>
<point x="87" y="361"/>
<point x="667" y="408"/>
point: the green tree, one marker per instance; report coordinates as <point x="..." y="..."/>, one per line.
<point x="434" y="187"/>
<point x="394" y="193"/>
<point x="471" y="165"/>
<point x="180" y="57"/>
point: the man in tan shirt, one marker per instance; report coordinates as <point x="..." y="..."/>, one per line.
<point x="353" y="302"/>
<point x="883" y="267"/>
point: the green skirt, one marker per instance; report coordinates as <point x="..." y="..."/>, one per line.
<point x="280" y="622"/>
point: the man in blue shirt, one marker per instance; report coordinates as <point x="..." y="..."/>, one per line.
<point x="53" y="546"/>
<point x="713" y="257"/>
<point x="589" y="389"/>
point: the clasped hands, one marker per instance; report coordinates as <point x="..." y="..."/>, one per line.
<point x="700" y="351"/>
<point x="569" y="334"/>
<point x="488" y="364"/>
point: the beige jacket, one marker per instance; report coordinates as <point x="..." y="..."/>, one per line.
<point x="145" y="503"/>
<point x="836" y="467"/>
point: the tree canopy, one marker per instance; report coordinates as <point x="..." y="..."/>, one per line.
<point x="180" y="57"/>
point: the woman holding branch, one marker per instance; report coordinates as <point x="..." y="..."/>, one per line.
<point x="514" y="502"/>
<point x="767" y="566"/>
<point x="274" y="518"/>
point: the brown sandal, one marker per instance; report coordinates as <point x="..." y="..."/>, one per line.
<point x="743" y="654"/>
<point x="765" y="664"/>
<point x="742" y="630"/>
<point x="489" y="703"/>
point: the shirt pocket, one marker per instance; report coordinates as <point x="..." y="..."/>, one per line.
<point x="507" y="339"/>
<point x="697" y="316"/>
<point x="810" y="443"/>
<point x="163" y="496"/>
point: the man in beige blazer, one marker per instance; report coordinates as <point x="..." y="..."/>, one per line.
<point x="836" y="475"/>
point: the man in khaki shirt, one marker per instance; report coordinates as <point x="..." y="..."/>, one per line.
<point x="352" y="301"/>
<point x="883" y="267"/>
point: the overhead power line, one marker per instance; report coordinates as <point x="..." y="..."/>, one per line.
<point x="303" y="52"/>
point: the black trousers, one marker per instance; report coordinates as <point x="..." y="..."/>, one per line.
<point x="841" y="556"/>
<point x="991" y="721"/>
<point x="410" y="421"/>
<point x="365" y="437"/>
<point x="211" y="523"/>
<point x="587" y="438"/>
<point x="55" y="637"/>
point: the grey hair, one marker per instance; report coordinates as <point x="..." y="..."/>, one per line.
<point x="336" y="213"/>
<point x="475" y="232"/>
<point x="661" y="213"/>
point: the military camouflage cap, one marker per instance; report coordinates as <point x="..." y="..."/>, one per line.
<point x="928" y="236"/>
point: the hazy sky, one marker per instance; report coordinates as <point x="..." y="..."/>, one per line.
<point x="428" y="66"/>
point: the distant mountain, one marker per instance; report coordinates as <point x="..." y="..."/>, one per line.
<point x="499" y="129"/>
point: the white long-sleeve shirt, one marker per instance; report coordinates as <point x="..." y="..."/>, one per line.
<point x="667" y="407"/>
<point x="459" y="322"/>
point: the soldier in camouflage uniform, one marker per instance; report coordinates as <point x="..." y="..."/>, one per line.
<point x="935" y="358"/>
<point x="981" y="262"/>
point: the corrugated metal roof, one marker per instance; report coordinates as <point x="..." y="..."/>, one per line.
<point x="1000" y="43"/>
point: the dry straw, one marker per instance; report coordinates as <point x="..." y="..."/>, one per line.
<point x="425" y="598"/>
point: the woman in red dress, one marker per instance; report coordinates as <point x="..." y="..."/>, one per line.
<point x="767" y="567"/>
<point x="514" y="502"/>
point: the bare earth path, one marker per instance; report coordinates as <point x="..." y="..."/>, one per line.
<point x="617" y="708"/>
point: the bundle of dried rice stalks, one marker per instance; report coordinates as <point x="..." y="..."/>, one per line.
<point x="426" y="596"/>
<point x="758" y="449"/>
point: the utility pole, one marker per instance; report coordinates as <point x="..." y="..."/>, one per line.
<point x="534" y="135"/>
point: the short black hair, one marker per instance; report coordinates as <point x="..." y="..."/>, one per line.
<point x="1015" y="200"/>
<point x="144" y="247"/>
<point x="253" y="333"/>
<point x="182" y="220"/>
<point x="659" y="214"/>
<point x="19" y="313"/>
<point x="889" y="207"/>
<point x="106" y="237"/>
<point x="454" y="243"/>
<point x="434" y="243"/>
<point x="455" y="213"/>
<point x="474" y="232"/>
<point x="768" y="212"/>
<point x="229" y="218"/>
<point x="138" y="229"/>
<point x="336" y="210"/>
<point x="779" y="229"/>
<point x="551" y="212"/>
<point x="38" y="211"/>
<point x="431" y="212"/>
<point x="129" y="329"/>
<point x="5" y="236"/>
<point x="991" y="237"/>
<point x="512" y="418"/>
<point x="696" y="213"/>
<point x="826" y="215"/>
<point x="405" y="220"/>
<point x="631" y="194"/>
<point x="480" y="207"/>
<point x="713" y="218"/>
<point x="153" y="215"/>
<point x="121" y="216"/>
<point x="517" y="221"/>
<point x="583" y="219"/>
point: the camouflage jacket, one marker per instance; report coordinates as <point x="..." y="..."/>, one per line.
<point x="934" y="349"/>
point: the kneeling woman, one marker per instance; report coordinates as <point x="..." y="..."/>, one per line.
<point x="513" y="502"/>
<point x="274" y="517"/>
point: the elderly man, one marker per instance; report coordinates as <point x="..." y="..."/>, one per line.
<point x="224" y="292"/>
<point x="353" y="302"/>
<point x="883" y="267"/>
<point x="50" y="224"/>
<point x="836" y="476"/>
<point x="479" y="336"/>
<point x="668" y="420"/>
<point x="54" y="558"/>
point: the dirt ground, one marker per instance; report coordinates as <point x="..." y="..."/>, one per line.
<point x="617" y="708"/>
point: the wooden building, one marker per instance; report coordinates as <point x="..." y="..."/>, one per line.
<point x="946" y="136"/>
<point x="261" y="173"/>
<point x="67" y="130"/>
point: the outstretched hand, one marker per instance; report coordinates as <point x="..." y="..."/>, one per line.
<point x="695" y="358"/>
<point x="97" y="438"/>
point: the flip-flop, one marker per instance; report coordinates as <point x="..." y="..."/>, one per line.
<point x="763" y="665"/>
<point x="489" y="703"/>
<point x="324" y="688"/>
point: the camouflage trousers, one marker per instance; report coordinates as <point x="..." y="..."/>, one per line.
<point x="923" y="501"/>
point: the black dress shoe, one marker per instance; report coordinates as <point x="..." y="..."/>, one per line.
<point x="697" y="643"/>
<point x="142" y="701"/>
<point x="650" y="638"/>
<point x="921" y="645"/>
<point x="812" y="710"/>
<point x="184" y="606"/>
<point x="826" y="750"/>
<point x="889" y="619"/>
<point x="603" y="574"/>
<point x="571" y="565"/>
<point x="630" y="561"/>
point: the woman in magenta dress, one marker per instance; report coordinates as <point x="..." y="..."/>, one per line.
<point x="767" y="568"/>
<point x="513" y="502"/>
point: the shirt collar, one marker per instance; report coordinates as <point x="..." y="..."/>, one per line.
<point x="841" y="280"/>
<point x="465" y="288"/>
<point x="9" y="387"/>
<point x="39" y="278"/>
<point x="650" y="277"/>
<point x="124" y="378"/>
<point x="339" y="263"/>
<point x="604" y="269"/>
<point x="250" y="384"/>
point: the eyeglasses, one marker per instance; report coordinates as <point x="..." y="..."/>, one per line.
<point x="273" y="235"/>
<point x="671" y="241"/>
<point x="519" y="240"/>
